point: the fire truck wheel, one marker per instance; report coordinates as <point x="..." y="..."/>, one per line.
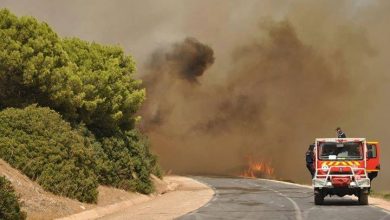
<point x="363" y="198"/>
<point x="318" y="199"/>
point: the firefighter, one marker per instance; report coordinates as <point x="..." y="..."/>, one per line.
<point x="340" y="133"/>
<point x="310" y="160"/>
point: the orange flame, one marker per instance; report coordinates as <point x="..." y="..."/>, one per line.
<point x="258" y="169"/>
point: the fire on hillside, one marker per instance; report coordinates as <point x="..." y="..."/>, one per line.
<point x="258" y="169"/>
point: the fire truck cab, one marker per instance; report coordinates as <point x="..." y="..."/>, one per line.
<point x="344" y="166"/>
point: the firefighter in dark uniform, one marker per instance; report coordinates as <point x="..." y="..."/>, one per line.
<point x="340" y="133"/>
<point x="310" y="160"/>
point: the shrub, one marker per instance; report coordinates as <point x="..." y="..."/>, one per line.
<point x="9" y="204"/>
<point x="124" y="161"/>
<point x="38" y="142"/>
<point x="127" y="163"/>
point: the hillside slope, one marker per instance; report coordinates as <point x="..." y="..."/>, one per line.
<point x="35" y="200"/>
<point x="40" y="204"/>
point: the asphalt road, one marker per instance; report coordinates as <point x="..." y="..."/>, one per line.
<point x="237" y="198"/>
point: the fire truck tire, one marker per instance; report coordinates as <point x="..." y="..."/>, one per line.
<point x="318" y="199"/>
<point x="363" y="198"/>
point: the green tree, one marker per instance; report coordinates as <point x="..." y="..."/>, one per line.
<point x="93" y="88"/>
<point x="85" y="82"/>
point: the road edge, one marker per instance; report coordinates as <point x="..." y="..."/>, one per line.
<point x="103" y="211"/>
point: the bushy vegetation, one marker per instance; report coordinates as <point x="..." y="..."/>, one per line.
<point x="84" y="131"/>
<point x="129" y="163"/>
<point x="124" y="161"/>
<point x="85" y="82"/>
<point x="45" y="148"/>
<point x="9" y="204"/>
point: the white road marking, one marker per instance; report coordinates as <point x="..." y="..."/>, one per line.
<point x="298" y="213"/>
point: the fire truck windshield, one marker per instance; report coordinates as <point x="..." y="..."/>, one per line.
<point x="341" y="151"/>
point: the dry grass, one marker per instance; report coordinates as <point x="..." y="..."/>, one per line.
<point x="381" y="194"/>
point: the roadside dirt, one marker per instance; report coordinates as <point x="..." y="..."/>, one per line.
<point x="175" y="194"/>
<point x="381" y="203"/>
<point x="189" y="196"/>
<point x="38" y="203"/>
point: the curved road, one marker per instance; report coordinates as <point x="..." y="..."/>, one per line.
<point x="237" y="198"/>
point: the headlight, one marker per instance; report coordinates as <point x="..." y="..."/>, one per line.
<point x="364" y="182"/>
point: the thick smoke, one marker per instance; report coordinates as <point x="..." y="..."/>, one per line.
<point x="284" y="73"/>
<point x="188" y="60"/>
<point x="182" y="63"/>
<point x="277" y="87"/>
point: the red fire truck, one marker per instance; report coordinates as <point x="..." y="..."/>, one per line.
<point x="344" y="166"/>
